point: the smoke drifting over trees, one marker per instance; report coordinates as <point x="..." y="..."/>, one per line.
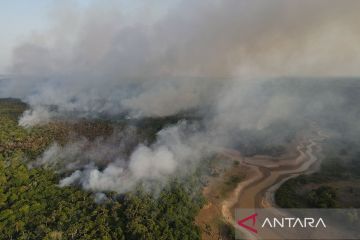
<point x="105" y="165"/>
<point x="216" y="57"/>
<point x="97" y="60"/>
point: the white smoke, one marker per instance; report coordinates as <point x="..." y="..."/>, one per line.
<point x="100" y="60"/>
<point x="174" y="154"/>
<point x="148" y="163"/>
<point x="35" y="116"/>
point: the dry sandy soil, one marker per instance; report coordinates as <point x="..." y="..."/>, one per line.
<point x="261" y="176"/>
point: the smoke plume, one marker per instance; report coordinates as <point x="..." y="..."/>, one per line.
<point x="100" y="60"/>
<point x="103" y="164"/>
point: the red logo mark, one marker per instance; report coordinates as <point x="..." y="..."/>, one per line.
<point x="250" y="228"/>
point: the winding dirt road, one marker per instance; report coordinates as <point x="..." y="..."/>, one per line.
<point x="258" y="190"/>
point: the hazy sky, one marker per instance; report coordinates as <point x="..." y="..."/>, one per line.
<point x="196" y="38"/>
<point x="19" y="18"/>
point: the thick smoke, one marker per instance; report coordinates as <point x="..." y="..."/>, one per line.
<point x="102" y="61"/>
<point x="214" y="56"/>
<point x="102" y="165"/>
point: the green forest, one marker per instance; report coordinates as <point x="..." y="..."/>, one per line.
<point x="32" y="206"/>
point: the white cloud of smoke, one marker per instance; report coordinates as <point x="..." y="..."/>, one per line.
<point x="100" y="60"/>
<point x="103" y="166"/>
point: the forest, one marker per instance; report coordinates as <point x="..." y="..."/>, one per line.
<point x="33" y="206"/>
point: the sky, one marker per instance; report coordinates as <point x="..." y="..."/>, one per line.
<point x="180" y="37"/>
<point x="17" y="19"/>
<point x="20" y="18"/>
